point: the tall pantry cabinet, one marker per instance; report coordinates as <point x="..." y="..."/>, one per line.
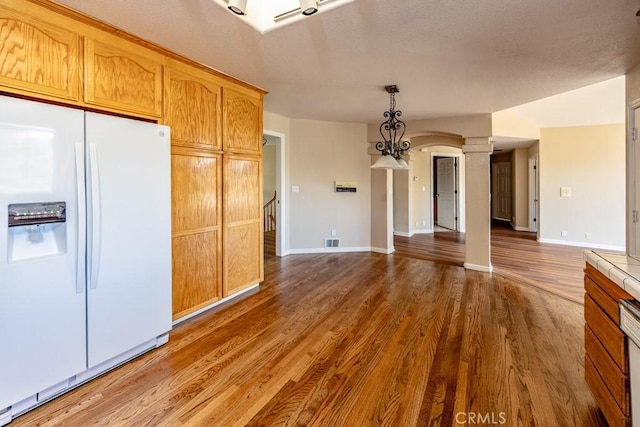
<point x="51" y="53"/>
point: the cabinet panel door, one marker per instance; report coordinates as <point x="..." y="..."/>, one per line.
<point x="123" y="78"/>
<point x="195" y="190"/>
<point x="242" y="121"/>
<point x="195" y="273"/>
<point x="196" y="218"/>
<point x="243" y="256"/>
<point x="243" y="238"/>
<point x="38" y="57"/>
<point x="192" y="105"/>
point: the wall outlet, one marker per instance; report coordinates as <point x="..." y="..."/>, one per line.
<point x="563" y="233"/>
<point x="334" y="233"/>
<point x="587" y="235"/>
<point x="424" y="223"/>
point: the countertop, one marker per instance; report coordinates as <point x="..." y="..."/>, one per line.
<point x="622" y="269"/>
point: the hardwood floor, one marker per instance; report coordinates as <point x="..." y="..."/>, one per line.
<point x="355" y="339"/>
<point x="269" y="244"/>
<point x="514" y="254"/>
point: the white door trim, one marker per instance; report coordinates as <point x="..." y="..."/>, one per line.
<point x="534" y="207"/>
<point x="633" y="186"/>
<point x="281" y="201"/>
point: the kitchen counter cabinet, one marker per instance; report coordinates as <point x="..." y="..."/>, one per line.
<point x="606" y="352"/>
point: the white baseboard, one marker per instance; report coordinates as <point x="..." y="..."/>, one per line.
<point x="418" y="231"/>
<point x="520" y="228"/>
<point x="328" y="250"/>
<point x="476" y="267"/>
<point x="383" y="251"/>
<point x="423" y="231"/>
<point x="583" y="244"/>
<point x="402" y="234"/>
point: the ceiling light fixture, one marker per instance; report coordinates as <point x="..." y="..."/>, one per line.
<point x="392" y="147"/>
<point x="308" y="7"/>
<point x="239" y="7"/>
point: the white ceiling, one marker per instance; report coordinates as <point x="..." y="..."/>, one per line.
<point x="597" y="104"/>
<point x="448" y="57"/>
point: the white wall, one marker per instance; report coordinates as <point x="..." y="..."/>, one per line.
<point x="401" y="201"/>
<point x="590" y="160"/>
<point x="520" y="188"/>
<point x="421" y="199"/>
<point x="320" y="154"/>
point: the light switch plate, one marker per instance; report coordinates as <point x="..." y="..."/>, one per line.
<point x="295" y="189"/>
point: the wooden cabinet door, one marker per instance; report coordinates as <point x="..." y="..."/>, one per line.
<point x="192" y="106"/>
<point x="243" y="235"/>
<point x="36" y="56"/>
<point x="125" y="77"/>
<point x="196" y="221"/>
<point x="242" y="121"/>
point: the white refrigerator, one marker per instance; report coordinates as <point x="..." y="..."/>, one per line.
<point x="85" y="247"/>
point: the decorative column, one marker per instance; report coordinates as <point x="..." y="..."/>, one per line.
<point x="478" y="206"/>
<point x="381" y="207"/>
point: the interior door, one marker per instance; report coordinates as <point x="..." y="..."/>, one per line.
<point x="42" y="287"/>
<point x="129" y="234"/>
<point x="446" y="192"/>
<point x="501" y="191"/>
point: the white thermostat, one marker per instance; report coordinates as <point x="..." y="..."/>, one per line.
<point x="345" y="187"/>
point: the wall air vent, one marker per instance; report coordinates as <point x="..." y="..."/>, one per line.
<point x="331" y="243"/>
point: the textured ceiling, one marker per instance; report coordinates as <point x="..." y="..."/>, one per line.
<point x="448" y="57"/>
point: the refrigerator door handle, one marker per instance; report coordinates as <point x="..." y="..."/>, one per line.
<point x="94" y="265"/>
<point x="82" y="222"/>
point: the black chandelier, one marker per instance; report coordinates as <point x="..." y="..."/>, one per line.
<point x="392" y="147"/>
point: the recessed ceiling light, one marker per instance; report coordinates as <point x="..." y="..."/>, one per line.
<point x="308" y="7"/>
<point x="238" y="7"/>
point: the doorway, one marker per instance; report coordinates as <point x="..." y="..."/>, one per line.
<point x="501" y="191"/>
<point x="274" y="196"/>
<point x="445" y="192"/>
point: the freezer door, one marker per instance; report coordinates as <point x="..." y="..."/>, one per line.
<point x="42" y="284"/>
<point x="129" y="234"/>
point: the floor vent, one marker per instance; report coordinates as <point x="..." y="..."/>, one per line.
<point x="331" y="243"/>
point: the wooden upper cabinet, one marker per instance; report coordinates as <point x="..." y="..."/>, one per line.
<point x="192" y="106"/>
<point x="123" y="77"/>
<point x="37" y="56"/>
<point x="242" y="121"/>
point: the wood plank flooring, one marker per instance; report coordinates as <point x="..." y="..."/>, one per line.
<point x="355" y="339"/>
<point x="514" y="254"/>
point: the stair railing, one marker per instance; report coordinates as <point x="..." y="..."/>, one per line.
<point x="270" y="214"/>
